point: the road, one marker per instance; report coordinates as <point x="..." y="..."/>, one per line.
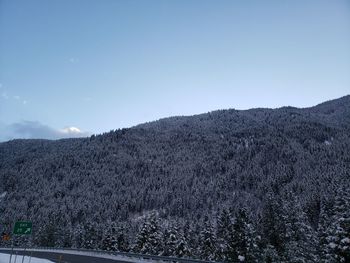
<point x="66" y="258"/>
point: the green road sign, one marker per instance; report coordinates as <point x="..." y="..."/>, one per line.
<point x="22" y="228"/>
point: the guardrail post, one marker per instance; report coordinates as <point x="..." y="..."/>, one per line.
<point x="24" y="252"/>
<point x="11" y="253"/>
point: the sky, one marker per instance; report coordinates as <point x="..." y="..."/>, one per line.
<point x="75" y="68"/>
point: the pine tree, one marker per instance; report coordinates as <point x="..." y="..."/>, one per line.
<point x="325" y="234"/>
<point x="270" y="255"/>
<point x="47" y="235"/>
<point x="109" y="243"/>
<point x="273" y="232"/>
<point x="170" y="239"/>
<point x="175" y="243"/>
<point x="78" y="234"/>
<point x="335" y="229"/>
<point x="242" y="242"/>
<point x="208" y="249"/>
<point x="224" y="231"/>
<point x="190" y="239"/>
<point x="122" y="243"/>
<point x="182" y="249"/>
<point x="224" y="224"/>
<point x="300" y="237"/>
<point x="92" y="236"/>
<point x="149" y="239"/>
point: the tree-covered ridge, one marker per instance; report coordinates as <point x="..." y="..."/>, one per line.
<point x="281" y="176"/>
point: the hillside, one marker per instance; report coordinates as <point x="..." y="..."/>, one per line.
<point x="185" y="173"/>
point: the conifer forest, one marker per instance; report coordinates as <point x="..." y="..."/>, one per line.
<point x="259" y="185"/>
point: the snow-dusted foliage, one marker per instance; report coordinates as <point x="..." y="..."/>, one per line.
<point x="239" y="186"/>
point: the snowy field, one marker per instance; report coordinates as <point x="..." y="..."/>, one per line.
<point x="4" y="258"/>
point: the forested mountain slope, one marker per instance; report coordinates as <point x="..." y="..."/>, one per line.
<point x="280" y="176"/>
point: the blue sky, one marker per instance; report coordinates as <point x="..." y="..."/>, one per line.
<point x="99" y="65"/>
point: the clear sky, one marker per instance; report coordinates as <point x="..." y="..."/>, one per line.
<point x="99" y="65"/>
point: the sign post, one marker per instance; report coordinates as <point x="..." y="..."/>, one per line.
<point x="22" y="228"/>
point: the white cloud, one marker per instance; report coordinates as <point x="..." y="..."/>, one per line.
<point x="24" y="102"/>
<point x="16" y="97"/>
<point x="37" y="130"/>
<point x="71" y="130"/>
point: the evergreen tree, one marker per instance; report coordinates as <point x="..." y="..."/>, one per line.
<point x="169" y="242"/>
<point x="224" y="225"/>
<point x="182" y="248"/>
<point x="109" y="243"/>
<point x="122" y="243"/>
<point x="270" y="255"/>
<point x="175" y="243"/>
<point x="149" y="239"/>
<point x="92" y="236"/>
<point x="273" y="232"/>
<point x="224" y="232"/>
<point x="47" y="235"/>
<point x="207" y="248"/>
<point x="300" y="237"/>
<point x="242" y="242"/>
<point x="335" y="228"/>
<point x="190" y="238"/>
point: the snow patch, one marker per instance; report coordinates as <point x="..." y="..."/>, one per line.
<point x="332" y="245"/>
<point x="241" y="258"/>
<point x="91" y="254"/>
<point x="5" y="258"/>
<point x="326" y="142"/>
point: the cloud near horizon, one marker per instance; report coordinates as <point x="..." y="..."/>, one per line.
<point x="37" y="130"/>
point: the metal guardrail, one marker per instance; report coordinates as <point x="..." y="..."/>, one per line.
<point x="116" y="253"/>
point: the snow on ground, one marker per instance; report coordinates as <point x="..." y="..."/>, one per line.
<point x="5" y="258"/>
<point x="87" y="253"/>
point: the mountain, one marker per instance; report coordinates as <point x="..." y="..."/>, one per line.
<point x="183" y="173"/>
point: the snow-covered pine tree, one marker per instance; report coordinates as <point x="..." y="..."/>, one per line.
<point x="175" y="243"/>
<point x="122" y="243"/>
<point x="92" y="236"/>
<point x="242" y="241"/>
<point x="335" y="228"/>
<point x="114" y="238"/>
<point x="170" y="239"/>
<point x="273" y="232"/>
<point x="46" y="235"/>
<point x="224" y="224"/>
<point x="183" y="248"/>
<point x="224" y="232"/>
<point x="300" y="237"/>
<point x="149" y="238"/>
<point x="190" y="238"/>
<point x="325" y="235"/>
<point x="109" y="242"/>
<point x="78" y="236"/>
<point x="207" y="249"/>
